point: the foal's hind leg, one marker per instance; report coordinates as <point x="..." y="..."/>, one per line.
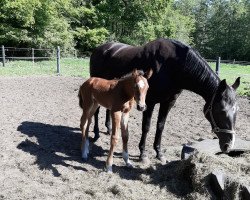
<point x="125" y="136"/>
<point x="85" y="141"/>
<point x="85" y="123"/>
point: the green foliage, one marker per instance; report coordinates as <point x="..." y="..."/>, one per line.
<point x="138" y="21"/>
<point x="34" y="23"/>
<point x="222" y="27"/>
<point x="214" y="27"/>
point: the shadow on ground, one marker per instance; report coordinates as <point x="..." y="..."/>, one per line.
<point x="55" y="145"/>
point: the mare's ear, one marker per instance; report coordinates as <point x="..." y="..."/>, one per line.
<point x="236" y="83"/>
<point x="222" y="86"/>
<point x="148" y="73"/>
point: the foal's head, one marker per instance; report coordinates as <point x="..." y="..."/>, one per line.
<point x="221" y="113"/>
<point x="141" y="87"/>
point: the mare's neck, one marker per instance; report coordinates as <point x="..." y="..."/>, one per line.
<point x="199" y="77"/>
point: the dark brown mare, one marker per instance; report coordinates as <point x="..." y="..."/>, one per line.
<point x="176" y="67"/>
<point x="117" y="96"/>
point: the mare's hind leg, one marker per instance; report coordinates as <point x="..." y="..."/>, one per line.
<point x="96" y="126"/>
<point x="116" y="120"/>
<point x="162" y="116"/>
<point x="146" y="121"/>
<point x="125" y="136"/>
<point x="107" y="121"/>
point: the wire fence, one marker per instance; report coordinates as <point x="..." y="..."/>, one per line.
<point x="39" y="54"/>
<point x="33" y="54"/>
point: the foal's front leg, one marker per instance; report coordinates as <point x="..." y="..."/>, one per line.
<point x="125" y="136"/>
<point x="116" y="119"/>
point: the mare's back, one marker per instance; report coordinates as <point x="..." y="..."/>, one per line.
<point x="113" y="60"/>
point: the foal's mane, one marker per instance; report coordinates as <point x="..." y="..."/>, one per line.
<point x="130" y="74"/>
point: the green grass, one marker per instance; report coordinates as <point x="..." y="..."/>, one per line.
<point x="68" y="67"/>
<point x="231" y="71"/>
<point x="80" y="67"/>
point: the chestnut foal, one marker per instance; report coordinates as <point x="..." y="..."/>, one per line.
<point x="117" y="96"/>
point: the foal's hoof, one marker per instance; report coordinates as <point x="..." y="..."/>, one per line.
<point x="109" y="169"/>
<point x="144" y="159"/>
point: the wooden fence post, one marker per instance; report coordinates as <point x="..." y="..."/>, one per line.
<point x="217" y="70"/>
<point x="58" y="60"/>
<point x="3" y="55"/>
<point x="33" y="55"/>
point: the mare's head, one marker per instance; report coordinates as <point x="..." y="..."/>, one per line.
<point x="221" y="113"/>
<point x="141" y="88"/>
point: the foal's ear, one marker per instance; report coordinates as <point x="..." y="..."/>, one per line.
<point x="148" y="73"/>
<point x="236" y="83"/>
<point x="135" y="72"/>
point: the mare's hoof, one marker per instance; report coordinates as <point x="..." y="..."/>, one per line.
<point x="109" y="132"/>
<point x="129" y="165"/>
<point x="85" y="159"/>
<point x="162" y="158"/>
<point x="94" y="139"/>
<point x="144" y="159"/>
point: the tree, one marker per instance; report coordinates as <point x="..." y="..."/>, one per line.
<point x="37" y="23"/>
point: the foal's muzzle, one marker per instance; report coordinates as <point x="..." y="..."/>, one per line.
<point x="141" y="108"/>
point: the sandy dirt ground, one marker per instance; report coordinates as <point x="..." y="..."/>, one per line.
<point x="40" y="154"/>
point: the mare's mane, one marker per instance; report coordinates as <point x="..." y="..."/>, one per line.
<point x="197" y="67"/>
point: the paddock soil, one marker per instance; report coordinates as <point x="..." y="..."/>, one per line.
<point x="40" y="147"/>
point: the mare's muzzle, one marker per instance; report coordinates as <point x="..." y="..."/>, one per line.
<point x="141" y="108"/>
<point x="226" y="141"/>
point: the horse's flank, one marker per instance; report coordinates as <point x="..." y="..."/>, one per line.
<point x="109" y="93"/>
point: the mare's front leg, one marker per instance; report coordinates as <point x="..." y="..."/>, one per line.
<point x="125" y="136"/>
<point x="162" y="116"/>
<point x="116" y="120"/>
<point x="146" y="121"/>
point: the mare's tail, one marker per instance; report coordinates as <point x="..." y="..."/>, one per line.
<point x="80" y="98"/>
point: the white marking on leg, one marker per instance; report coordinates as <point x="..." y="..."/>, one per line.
<point x="233" y="141"/>
<point x="125" y="156"/>
<point x="85" y="150"/>
<point x="109" y="169"/>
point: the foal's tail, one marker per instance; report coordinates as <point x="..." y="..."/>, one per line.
<point x="80" y="98"/>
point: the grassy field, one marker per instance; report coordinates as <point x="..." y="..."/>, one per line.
<point x="231" y="71"/>
<point x="68" y="67"/>
<point x="80" y="67"/>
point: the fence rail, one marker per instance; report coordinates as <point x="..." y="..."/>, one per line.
<point x="32" y="55"/>
<point x="7" y="53"/>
